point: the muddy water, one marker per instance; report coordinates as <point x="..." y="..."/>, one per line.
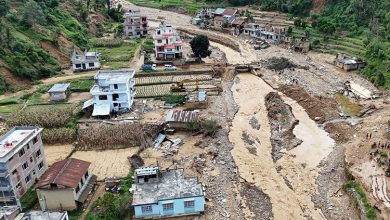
<point x="298" y="166"/>
<point x="347" y="107"/>
<point x="316" y="145"/>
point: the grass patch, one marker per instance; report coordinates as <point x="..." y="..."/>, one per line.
<point x="10" y="108"/>
<point x="75" y="214"/>
<point x="118" y="56"/>
<point x="8" y="101"/>
<point x="29" y="199"/>
<point x="81" y="85"/>
<point x="174" y="99"/>
<point x="369" y="210"/>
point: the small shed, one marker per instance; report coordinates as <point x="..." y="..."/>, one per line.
<point x="59" y="92"/>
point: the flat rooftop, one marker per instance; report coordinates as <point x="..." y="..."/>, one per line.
<point x="114" y="76"/>
<point x="172" y="185"/>
<point x="40" y="215"/>
<point x="14" y="139"/>
<point x="61" y="87"/>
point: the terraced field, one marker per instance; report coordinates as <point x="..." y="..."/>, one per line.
<point x="155" y="86"/>
<point x="169" y="79"/>
<point x="190" y="6"/>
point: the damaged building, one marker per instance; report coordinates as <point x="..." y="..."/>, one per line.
<point x="178" y="119"/>
<point x="166" y="193"/>
<point x="348" y="63"/>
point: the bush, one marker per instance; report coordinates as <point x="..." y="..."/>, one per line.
<point x="29" y="199"/>
<point x="107" y="42"/>
<point x="369" y="210"/>
<point x="174" y="99"/>
<point x="210" y="127"/>
<point x="193" y="126"/>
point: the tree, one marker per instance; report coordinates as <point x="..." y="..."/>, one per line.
<point x="380" y="79"/>
<point x="119" y="30"/>
<point x="289" y="31"/>
<point x="33" y="13"/>
<point x="200" y="45"/>
<point x="3" y="7"/>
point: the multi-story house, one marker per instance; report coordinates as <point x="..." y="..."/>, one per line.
<point x="166" y="193"/>
<point x="22" y="161"/>
<point x="113" y="92"/>
<point x="65" y="185"/>
<point x="167" y="43"/>
<point x="86" y="61"/>
<point x="135" y="24"/>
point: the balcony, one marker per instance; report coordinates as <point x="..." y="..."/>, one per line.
<point x="5" y="188"/>
<point x="3" y="173"/>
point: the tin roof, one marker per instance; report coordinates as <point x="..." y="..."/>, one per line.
<point x="229" y="12"/>
<point x="67" y="173"/>
<point x="60" y="87"/>
<point x="101" y="109"/>
<point x="219" y="11"/>
<point x="182" y="116"/>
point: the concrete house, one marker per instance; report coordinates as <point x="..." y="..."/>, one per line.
<point x="348" y="63"/>
<point x="86" y="61"/>
<point x="22" y="161"/>
<point x="113" y="92"/>
<point x="272" y="34"/>
<point x="167" y="43"/>
<point x="178" y="119"/>
<point x="136" y="24"/>
<point x="59" y="92"/>
<point x="65" y="185"/>
<point x="166" y="193"/>
<point x="251" y="29"/>
<point x="224" y="17"/>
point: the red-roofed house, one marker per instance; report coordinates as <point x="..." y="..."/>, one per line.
<point x="65" y="185"/>
<point x="224" y="16"/>
<point x="167" y="43"/>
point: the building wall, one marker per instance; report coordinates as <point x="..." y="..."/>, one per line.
<point x="178" y="208"/>
<point x="57" y="96"/>
<point x="86" y="66"/>
<point x="59" y="199"/>
<point x="21" y="179"/>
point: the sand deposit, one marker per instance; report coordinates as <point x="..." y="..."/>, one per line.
<point x="107" y="163"/>
<point x="56" y="153"/>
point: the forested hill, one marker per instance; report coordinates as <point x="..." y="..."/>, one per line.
<point x="37" y="36"/>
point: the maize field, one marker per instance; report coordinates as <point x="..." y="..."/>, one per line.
<point x="170" y="79"/>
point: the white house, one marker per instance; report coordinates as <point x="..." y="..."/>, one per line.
<point x="86" y="61"/>
<point x="167" y="43"/>
<point x="113" y="92"/>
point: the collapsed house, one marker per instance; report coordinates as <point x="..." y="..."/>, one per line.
<point x="65" y="185"/>
<point x="302" y="45"/>
<point x="135" y="24"/>
<point x="113" y="92"/>
<point x="166" y="193"/>
<point x="266" y="33"/>
<point x="348" y="63"/>
<point x="59" y="92"/>
<point x="176" y="119"/>
<point x="22" y="161"/>
<point x="85" y="61"/>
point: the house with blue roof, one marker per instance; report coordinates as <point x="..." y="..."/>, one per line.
<point x="167" y="193"/>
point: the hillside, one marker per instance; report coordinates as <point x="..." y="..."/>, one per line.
<point x="37" y="37"/>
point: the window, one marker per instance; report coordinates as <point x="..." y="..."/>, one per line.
<point x="115" y="96"/>
<point x="115" y="86"/>
<point x="91" y="65"/>
<point x="189" y="204"/>
<point x="77" y="189"/>
<point x="102" y="97"/>
<point x="14" y="172"/>
<point x="81" y="182"/>
<point x="28" y="178"/>
<point x="25" y="165"/>
<point x="31" y="159"/>
<point x="18" y="185"/>
<point x="159" y="41"/>
<point x="28" y="147"/>
<point x="86" y="175"/>
<point x="146" y="208"/>
<point x="167" y="206"/>
<point x="35" y="140"/>
<point x="78" y="65"/>
<point x="40" y="165"/>
<point x="21" y="152"/>
<point x="33" y="172"/>
<point x="38" y="153"/>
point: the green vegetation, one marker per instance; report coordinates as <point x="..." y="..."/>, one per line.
<point x="75" y="214"/>
<point x="81" y="85"/>
<point x="117" y="55"/>
<point x="174" y="99"/>
<point x="29" y="199"/>
<point x="355" y="187"/>
<point x="111" y="206"/>
<point x="200" y="46"/>
<point x="8" y="101"/>
<point x="208" y="127"/>
<point x="190" y="7"/>
<point x="59" y="135"/>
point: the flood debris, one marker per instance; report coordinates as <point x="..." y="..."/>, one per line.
<point x="282" y="123"/>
